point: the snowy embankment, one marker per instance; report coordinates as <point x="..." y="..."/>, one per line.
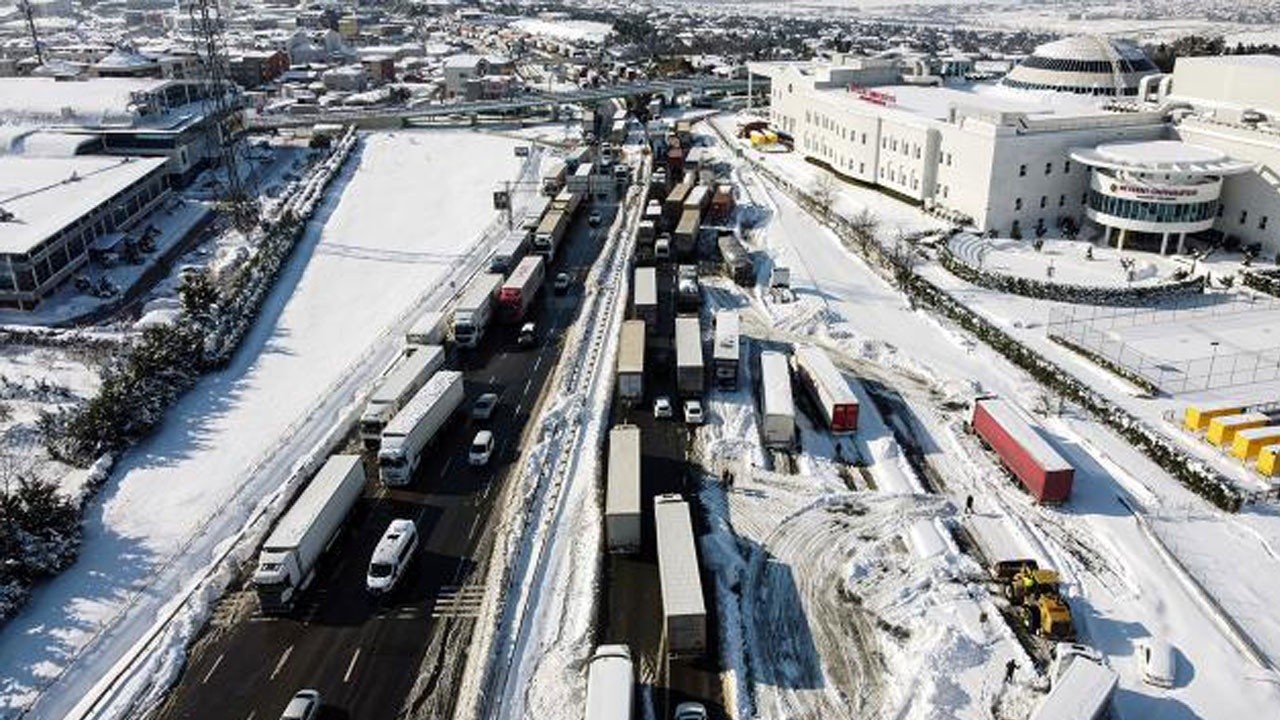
<point x="538" y="614"/>
<point x="384" y="246"/>
<point x="1120" y="588"/>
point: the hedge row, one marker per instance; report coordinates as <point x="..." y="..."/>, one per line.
<point x="1066" y="292"/>
<point x="1267" y="281"/>
<point x="1194" y="475"/>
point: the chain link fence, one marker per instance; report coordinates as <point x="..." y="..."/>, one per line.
<point x="1100" y="332"/>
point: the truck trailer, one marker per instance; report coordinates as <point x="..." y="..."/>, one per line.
<point x="610" y="683"/>
<point x="518" y="292"/>
<point x="724" y="356"/>
<point x="828" y="389"/>
<point x="631" y="361"/>
<point x="777" y="407"/>
<point x="737" y="261"/>
<point x="407" y="436"/>
<point x="567" y="202"/>
<point x="686" y="234"/>
<point x="622" y="493"/>
<point x="550" y="233"/>
<point x="580" y="180"/>
<point x="510" y="251"/>
<point x="553" y="177"/>
<point x="474" y="311"/>
<point x="673" y="206"/>
<point x="287" y="561"/>
<point x="1083" y="692"/>
<point x="684" y="611"/>
<point x="1040" y="469"/>
<point x="688" y="357"/>
<point x="429" y="329"/>
<point x="644" y="296"/>
<point x="396" y="388"/>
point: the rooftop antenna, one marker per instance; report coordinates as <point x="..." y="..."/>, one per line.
<point x="30" y="14"/>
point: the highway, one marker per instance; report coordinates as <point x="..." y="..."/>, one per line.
<point x="398" y="657"/>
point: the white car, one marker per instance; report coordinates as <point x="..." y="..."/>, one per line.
<point x="484" y="406"/>
<point x="594" y="218"/>
<point x="305" y="705"/>
<point x="481" y="449"/>
<point x="392" y="555"/>
<point x="1158" y="663"/>
<point x="662" y="407"/>
<point x="690" y="711"/>
<point x="693" y="412"/>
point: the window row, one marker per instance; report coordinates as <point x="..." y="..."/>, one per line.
<point x="1152" y="211"/>
<point x="1048" y="168"/>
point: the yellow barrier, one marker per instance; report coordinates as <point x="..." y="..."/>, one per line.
<point x="1248" y="443"/>
<point x="1197" y="417"/>
<point x="1222" y="430"/>
<point x="1269" y="461"/>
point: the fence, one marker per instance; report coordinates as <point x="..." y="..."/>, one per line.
<point x="1093" y="330"/>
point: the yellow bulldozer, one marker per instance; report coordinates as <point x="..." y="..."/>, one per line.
<point x="1034" y="591"/>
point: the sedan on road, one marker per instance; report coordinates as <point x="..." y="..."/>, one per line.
<point x="305" y="705"/>
<point x="662" y="407"/>
<point x="484" y="406"/>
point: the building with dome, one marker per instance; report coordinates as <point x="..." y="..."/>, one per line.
<point x="1085" y="134"/>
<point x="1083" y="65"/>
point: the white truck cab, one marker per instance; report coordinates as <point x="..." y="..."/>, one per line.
<point x="392" y="555"/>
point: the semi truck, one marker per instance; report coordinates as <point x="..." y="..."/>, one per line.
<point x="684" y="612"/>
<point x="674" y="204"/>
<point x="688" y="356"/>
<point x="688" y="288"/>
<point x="580" y="180"/>
<point x="1040" y="469"/>
<point x="553" y="177"/>
<point x="686" y="234"/>
<point x="724" y="355"/>
<point x="510" y="251"/>
<point x="550" y="232"/>
<point x="567" y="202"/>
<point x="517" y="293"/>
<point x="777" y="407"/>
<point x="698" y="199"/>
<point x="610" y="683"/>
<point x="827" y="387"/>
<point x="396" y="388"/>
<point x="737" y="261"/>
<point x="287" y="561"/>
<point x="1083" y="692"/>
<point x="631" y="361"/>
<point x="622" y="494"/>
<point x="474" y="311"/>
<point x="412" y="429"/>
<point x="644" y="296"/>
<point x="429" y="329"/>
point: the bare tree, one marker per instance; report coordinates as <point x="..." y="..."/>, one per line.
<point x="864" y="225"/>
<point x="824" y="192"/>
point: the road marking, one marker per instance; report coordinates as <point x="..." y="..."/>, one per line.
<point x="251" y="714"/>
<point x="351" y="666"/>
<point x="493" y="379"/>
<point x="280" y="663"/>
<point x="444" y="472"/>
<point x="519" y="407"/>
<point x="527" y="383"/>
<point x="216" y="663"/>
<point x="474" y="523"/>
<point x="537" y="363"/>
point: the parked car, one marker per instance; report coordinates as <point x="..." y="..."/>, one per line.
<point x="481" y="448"/>
<point x="662" y="407"/>
<point x="1158" y="663"/>
<point x="483" y="407"/>
<point x="305" y="705"/>
<point x="562" y="283"/>
<point x="690" y="711"/>
<point x="693" y="412"/>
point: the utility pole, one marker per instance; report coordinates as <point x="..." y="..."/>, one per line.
<point x="221" y="114"/>
<point x="29" y="13"/>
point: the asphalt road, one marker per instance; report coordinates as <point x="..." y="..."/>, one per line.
<point x="398" y="656"/>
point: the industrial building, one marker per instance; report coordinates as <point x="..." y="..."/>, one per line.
<point x="1085" y="134"/>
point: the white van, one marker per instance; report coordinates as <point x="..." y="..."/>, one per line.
<point x="481" y="448"/>
<point x="392" y="556"/>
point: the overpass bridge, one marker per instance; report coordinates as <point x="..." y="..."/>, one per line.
<point x="401" y="116"/>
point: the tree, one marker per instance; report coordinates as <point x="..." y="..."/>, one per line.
<point x="864" y="224"/>
<point x="824" y="192"/>
<point x="198" y="294"/>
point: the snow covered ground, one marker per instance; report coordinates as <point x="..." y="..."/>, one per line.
<point x="411" y="208"/>
<point x="1120" y="585"/>
<point x="1063" y="261"/>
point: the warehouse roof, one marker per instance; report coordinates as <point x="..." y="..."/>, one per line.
<point x="45" y="194"/>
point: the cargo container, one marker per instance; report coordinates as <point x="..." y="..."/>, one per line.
<point x="698" y="199"/>
<point x="429" y="329"/>
<point x="396" y="388"/>
<point x="1040" y="469"/>
<point x="725" y="354"/>
<point x="1082" y="693"/>
<point x="1223" y="429"/>
<point x="567" y="202"/>
<point x="1248" y="443"/>
<point x="828" y="389"/>
<point x="622" y="494"/>
<point x="1269" y="461"/>
<point x="406" y="437"/>
<point x="684" y="612"/>
<point x="610" y="683"/>
<point x="674" y="205"/>
<point x="689" y="365"/>
<point x="777" y="407"/>
<point x="675" y="161"/>
<point x="644" y="296"/>
<point x="686" y="234"/>
<point x="510" y="252"/>
<point x="553" y="177"/>
<point x="475" y="309"/>
<point x="518" y="292"/>
<point x="1198" y="416"/>
<point x="580" y="180"/>
<point x="550" y="233"/>
<point x="631" y="361"/>
<point x="721" y="204"/>
<point x="737" y="261"/>
<point x="287" y="561"/>
<point x="576" y="157"/>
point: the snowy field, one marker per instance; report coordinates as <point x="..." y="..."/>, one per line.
<point x="412" y="205"/>
<point x="1177" y="336"/>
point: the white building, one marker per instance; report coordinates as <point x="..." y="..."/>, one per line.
<point x="1043" y="148"/>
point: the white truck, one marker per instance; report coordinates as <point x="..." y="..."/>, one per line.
<point x="683" y="609"/>
<point x="610" y="683"/>
<point x="550" y="232"/>
<point x="474" y="311"/>
<point x="288" y="558"/>
<point x="510" y="251"/>
<point x="777" y="407"/>
<point x="428" y="330"/>
<point x="689" y="366"/>
<point x="724" y="356"/>
<point x="631" y="361"/>
<point x="410" y="432"/>
<point x="1083" y="692"/>
<point x="622" y="492"/>
<point x="395" y="389"/>
<point x="644" y="296"/>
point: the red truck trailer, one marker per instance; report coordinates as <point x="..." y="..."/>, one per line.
<point x="828" y="388"/>
<point x="518" y="291"/>
<point x="1040" y="469"/>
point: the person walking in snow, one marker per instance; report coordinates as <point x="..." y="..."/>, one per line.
<point x="968" y="504"/>
<point x="1009" y="668"/>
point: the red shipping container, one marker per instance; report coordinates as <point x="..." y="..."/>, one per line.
<point x="1039" y="467"/>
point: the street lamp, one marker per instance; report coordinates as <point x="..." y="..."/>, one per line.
<point x="1212" y="358"/>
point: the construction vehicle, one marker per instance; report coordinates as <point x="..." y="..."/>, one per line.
<point x="1034" y="593"/>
